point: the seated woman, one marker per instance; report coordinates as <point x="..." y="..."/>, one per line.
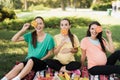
<point x="94" y="47"/>
<point x="40" y="45"/>
<point x="66" y="46"/>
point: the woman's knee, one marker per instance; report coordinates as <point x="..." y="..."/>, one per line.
<point x="30" y="61"/>
<point x="19" y="66"/>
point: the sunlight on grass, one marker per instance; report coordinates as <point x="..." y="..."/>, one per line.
<point x="11" y="47"/>
<point x="117" y="45"/>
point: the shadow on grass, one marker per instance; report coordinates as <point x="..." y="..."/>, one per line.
<point x="7" y="61"/>
<point x="6" y="34"/>
<point x="9" y="47"/>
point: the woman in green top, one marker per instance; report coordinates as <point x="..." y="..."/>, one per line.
<point x="40" y="45"/>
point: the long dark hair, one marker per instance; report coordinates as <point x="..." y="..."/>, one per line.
<point x="69" y="32"/>
<point x="99" y="36"/>
<point x="34" y="34"/>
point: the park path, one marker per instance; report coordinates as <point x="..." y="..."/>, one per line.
<point x="101" y="16"/>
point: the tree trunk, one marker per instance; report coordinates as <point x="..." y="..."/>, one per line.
<point x="68" y="3"/>
<point x="93" y="3"/>
<point x="25" y="4"/>
<point x="75" y="3"/>
<point x="63" y="5"/>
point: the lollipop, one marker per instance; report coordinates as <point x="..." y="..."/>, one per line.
<point x="98" y="29"/>
<point x="34" y="24"/>
<point x="64" y="31"/>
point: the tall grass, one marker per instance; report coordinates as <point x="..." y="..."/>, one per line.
<point x="11" y="52"/>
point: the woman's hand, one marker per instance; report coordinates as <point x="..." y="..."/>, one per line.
<point x="69" y="50"/>
<point x="25" y="26"/>
<point x="109" y="45"/>
<point x="63" y="41"/>
<point x="58" y="48"/>
<point x="108" y="33"/>
<point x="66" y="50"/>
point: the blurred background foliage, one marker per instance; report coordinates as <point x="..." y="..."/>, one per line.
<point x="25" y="4"/>
<point x="7" y="7"/>
<point x="52" y="22"/>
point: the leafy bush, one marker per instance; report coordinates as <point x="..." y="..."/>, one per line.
<point x="75" y="21"/>
<point x="102" y="6"/>
<point x="53" y="22"/>
<point x="6" y="13"/>
<point x="79" y="21"/>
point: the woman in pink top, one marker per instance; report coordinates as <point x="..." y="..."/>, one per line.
<point x="94" y="47"/>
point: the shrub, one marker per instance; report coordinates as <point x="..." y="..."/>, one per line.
<point x="102" y="7"/>
<point x="79" y="21"/>
<point x="53" y="22"/>
<point x="13" y="24"/>
<point x="6" y="13"/>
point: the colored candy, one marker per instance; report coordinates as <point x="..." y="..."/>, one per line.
<point x="34" y="24"/>
<point x="64" y="31"/>
<point x="98" y="29"/>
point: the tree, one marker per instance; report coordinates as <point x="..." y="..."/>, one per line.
<point x="17" y="4"/>
<point x="6" y="3"/>
<point x="25" y="5"/>
<point x="94" y="1"/>
<point x="63" y="5"/>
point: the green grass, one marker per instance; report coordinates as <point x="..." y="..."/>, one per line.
<point x="11" y="52"/>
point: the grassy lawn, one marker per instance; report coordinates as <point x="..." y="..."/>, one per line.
<point x="11" y="52"/>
